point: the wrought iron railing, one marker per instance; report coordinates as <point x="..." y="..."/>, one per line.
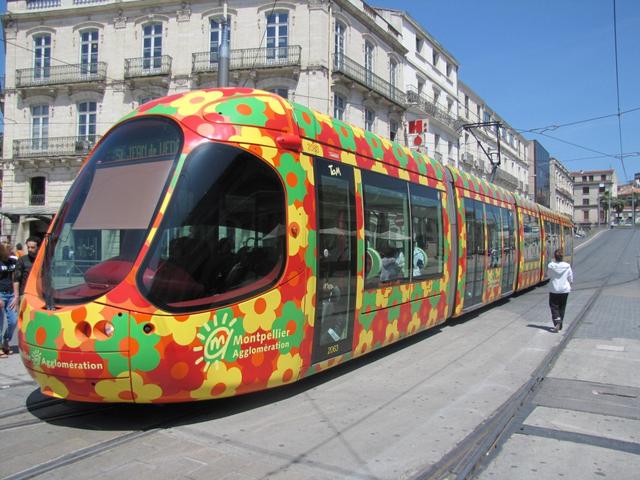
<point x="39" y="4"/>
<point x="249" y="58"/>
<point x="430" y="108"/>
<point x="351" y="69"/>
<point x="52" y="146"/>
<point x="147" y="66"/>
<point x="58" y="74"/>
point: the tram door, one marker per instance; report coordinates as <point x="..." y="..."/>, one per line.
<point x="337" y="260"/>
<point x="509" y="245"/>
<point x="474" y="224"/>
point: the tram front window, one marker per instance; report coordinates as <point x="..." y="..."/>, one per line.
<point x="222" y="236"/>
<point x="103" y="220"/>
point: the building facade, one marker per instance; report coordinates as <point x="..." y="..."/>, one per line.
<point x="74" y="67"/>
<point x="479" y="145"/>
<point x="560" y="187"/>
<point x="431" y="85"/>
<point x="591" y="189"/>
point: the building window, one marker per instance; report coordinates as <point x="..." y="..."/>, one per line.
<point x="152" y="46"/>
<point x="283" y="92"/>
<point x="89" y="52"/>
<point x="87" y="113"/>
<point x="420" y="86"/>
<point x="277" y="35"/>
<point x="419" y="43"/>
<point x="215" y="38"/>
<point x="585" y="190"/>
<point x="466" y="106"/>
<point x="393" y="130"/>
<point x="436" y="57"/>
<point x="603" y="177"/>
<point x="449" y="105"/>
<point x="393" y="72"/>
<point x="486" y="117"/>
<point x="339" y="41"/>
<point x="585" y="201"/>
<point x="368" y="62"/>
<point x="339" y="105"/>
<point x="585" y="215"/>
<point x="436" y="94"/>
<point x="369" y="119"/>
<point x="39" y="127"/>
<point x="41" y="56"/>
<point x="37" y="190"/>
<point x="449" y="69"/>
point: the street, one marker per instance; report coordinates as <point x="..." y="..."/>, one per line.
<point x="494" y="394"/>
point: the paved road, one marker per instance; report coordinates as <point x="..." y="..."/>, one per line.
<point x="393" y="414"/>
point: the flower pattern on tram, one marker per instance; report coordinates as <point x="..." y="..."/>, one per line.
<point x="291" y="320"/>
<point x="288" y="370"/>
<point x="265" y="340"/>
<point x="260" y="312"/>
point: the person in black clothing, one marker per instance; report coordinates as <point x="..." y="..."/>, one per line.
<point x="7" y="303"/>
<point x="23" y="267"/>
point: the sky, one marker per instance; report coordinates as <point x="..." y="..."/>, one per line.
<point x="541" y="64"/>
<point x="546" y="63"/>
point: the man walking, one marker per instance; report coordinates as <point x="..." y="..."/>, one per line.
<point x="560" y="280"/>
<point x="23" y="267"/>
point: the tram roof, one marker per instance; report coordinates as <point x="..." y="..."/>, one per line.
<point x="480" y="186"/>
<point x="228" y="114"/>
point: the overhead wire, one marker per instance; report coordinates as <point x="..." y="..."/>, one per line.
<point x="615" y="43"/>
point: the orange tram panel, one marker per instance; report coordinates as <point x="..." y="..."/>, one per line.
<point x="226" y="241"/>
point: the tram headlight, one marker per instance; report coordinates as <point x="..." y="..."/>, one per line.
<point x="104" y="329"/>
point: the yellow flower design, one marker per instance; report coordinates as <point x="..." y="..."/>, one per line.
<point x="309" y="297"/>
<point x="307" y="164"/>
<point x="348" y="158"/>
<point x="414" y="324"/>
<point x="115" y="390"/>
<point x="403" y="174"/>
<point x="192" y="102"/>
<point x="382" y="296"/>
<point x="405" y="291"/>
<point x="260" y="312"/>
<point x="51" y="385"/>
<point x="433" y="317"/>
<point x="288" y="370"/>
<point x="365" y="343"/>
<point x="297" y="216"/>
<point x="252" y="136"/>
<point x="311" y="147"/>
<point x="392" y="334"/>
<point x="183" y="329"/>
<point x="220" y="382"/>
<point x="380" y="168"/>
<point x="144" y="393"/>
<point x="273" y="103"/>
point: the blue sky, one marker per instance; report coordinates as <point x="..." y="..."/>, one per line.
<point x="540" y="63"/>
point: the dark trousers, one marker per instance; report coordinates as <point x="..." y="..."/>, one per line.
<point x="558" y="304"/>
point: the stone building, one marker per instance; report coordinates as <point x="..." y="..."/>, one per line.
<point x="589" y="188"/>
<point x="561" y="188"/>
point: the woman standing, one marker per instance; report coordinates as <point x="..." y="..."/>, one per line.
<point x="7" y="267"/>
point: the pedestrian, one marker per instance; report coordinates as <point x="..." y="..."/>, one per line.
<point x="560" y="280"/>
<point x="23" y="267"/>
<point x="7" y="303"/>
<point x="19" y="251"/>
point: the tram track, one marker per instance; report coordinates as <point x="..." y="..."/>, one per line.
<point x="473" y="453"/>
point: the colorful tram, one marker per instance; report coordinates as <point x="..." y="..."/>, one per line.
<point x="225" y="241"/>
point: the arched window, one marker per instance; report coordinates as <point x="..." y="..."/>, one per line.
<point x="152" y="46"/>
<point x="89" y="51"/>
<point x="42" y="55"/>
<point x="277" y="35"/>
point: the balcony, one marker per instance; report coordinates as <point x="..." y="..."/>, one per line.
<point x="159" y="66"/>
<point x="37" y="199"/>
<point x="348" y="68"/>
<point x="53" y="146"/>
<point x="61" y="74"/>
<point x="249" y="59"/>
<point x="427" y="106"/>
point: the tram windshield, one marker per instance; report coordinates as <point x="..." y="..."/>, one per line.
<point x="222" y="236"/>
<point x="102" y="223"/>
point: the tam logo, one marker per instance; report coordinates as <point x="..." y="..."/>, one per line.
<point x="216" y="337"/>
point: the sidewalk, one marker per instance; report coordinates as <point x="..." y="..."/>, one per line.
<point x="584" y="421"/>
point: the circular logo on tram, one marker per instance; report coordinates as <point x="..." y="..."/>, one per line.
<point x="216" y="336"/>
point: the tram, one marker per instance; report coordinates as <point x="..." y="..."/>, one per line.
<point x="226" y="241"/>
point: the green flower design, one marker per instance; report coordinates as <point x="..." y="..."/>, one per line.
<point x="306" y="121"/>
<point x="142" y="352"/>
<point x="345" y="133"/>
<point x="290" y="314"/>
<point x="367" y="313"/>
<point x="376" y="146"/>
<point x="310" y="254"/>
<point x="161" y="109"/>
<point x="398" y="152"/>
<point x="245" y="111"/>
<point x="43" y="331"/>
<point x="294" y="177"/>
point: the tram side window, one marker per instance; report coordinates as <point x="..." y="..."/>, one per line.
<point x="388" y="244"/>
<point x="494" y="225"/>
<point x="568" y="240"/>
<point x="531" y="237"/>
<point x="426" y="219"/>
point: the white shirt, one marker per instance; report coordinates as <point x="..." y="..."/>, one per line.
<point x="560" y="277"/>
